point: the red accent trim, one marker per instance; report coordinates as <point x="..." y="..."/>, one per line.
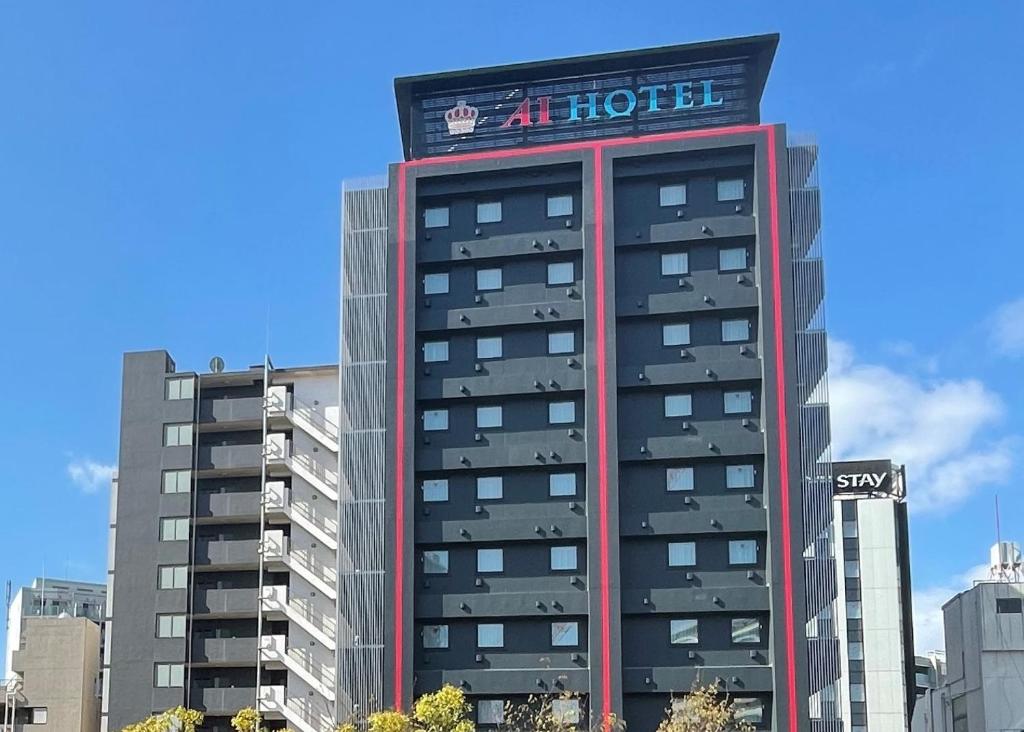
<point x="400" y="447"/>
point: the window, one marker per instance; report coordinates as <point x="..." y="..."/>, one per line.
<point x="732" y="259"/>
<point x="857" y="694"/>
<point x="563" y="558"/>
<point x="562" y="484"/>
<point x="746" y="630"/>
<point x="435" y="490"/>
<point x="488" y="417"/>
<point x="739" y="476"/>
<point x="735" y="330"/>
<point x="850" y="529"/>
<point x="682" y="554"/>
<point x="489" y="347"/>
<point x="738" y="402"/>
<point x="683" y="631"/>
<point x="678" y="405"/>
<point x="170" y="675"/>
<point x="856" y="650"/>
<point x="38" y="716"/>
<point x="489" y="488"/>
<point x="490" y="560"/>
<point x="177" y="481"/>
<point x="435" y="636"/>
<point x="435" y="284"/>
<point x="561" y="273"/>
<point x="562" y="412"/>
<point x="490" y="635"/>
<point x="743" y="551"/>
<point x="435" y="351"/>
<point x="565" y="634"/>
<point x="851" y="569"/>
<point x="176" y="435"/>
<point x="435" y="561"/>
<point x="679" y="479"/>
<point x="676" y="263"/>
<point x="566" y="711"/>
<point x="748" y="709"/>
<point x="182" y="387"/>
<point x="560" y="205"/>
<point x="488" y="279"/>
<point x="491" y="711"/>
<point x="562" y="342"/>
<point x="675" y="334"/>
<point x="435" y="420"/>
<point x="435" y="217"/>
<point x="174" y="529"/>
<point x="173" y="577"/>
<point x="960" y="714"/>
<point x="488" y="213"/>
<point x="672" y="195"/>
<point x="170" y="626"/>
<point x="853" y="610"/>
<point x="730" y="189"/>
<point x="1008" y="605"/>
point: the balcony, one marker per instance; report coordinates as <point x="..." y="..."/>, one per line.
<point x="226" y="459"/>
<point x="231" y="412"/>
<point x="224" y="651"/>
<point x="227" y="553"/>
<point x="238" y="601"/>
<point x="238" y="506"/>
<point x="222" y="701"/>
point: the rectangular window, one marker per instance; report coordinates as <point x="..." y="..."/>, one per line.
<point x="856" y="651"/>
<point x="176" y="435"/>
<point x="566" y="711"/>
<point x="959" y="713"/>
<point x="730" y="260"/>
<point x="735" y="330"/>
<point x="565" y="634"/>
<point x="182" y="387"/>
<point x="682" y="554"/>
<point x="563" y="558"/>
<point x="851" y="569"/>
<point x="562" y="342"/>
<point x="490" y="635"/>
<point x="173" y="577"/>
<point x="488" y="279"/>
<point x="562" y="484"/>
<point x="435" y="351"/>
<point x="490" y="711"/>
<point x="738" y="402"/>
<point x="174" y="529"/>
<point x="743" y="551"/>
<point x="490" y="560"/>
<point x="679" y="479"/>
<point x="488" y="213"/>
<point x="435" y="217"/>
<point x="678" y="405"/>
<point x="672" y="195"/>
<point x="488" y="417"/>
<point x="177" y="481"/>
<point x="435" y="283"/>
<point x="853" y="610"/>
<point x="675" y="334"/>
<point x="170" y="675"/>
<point x="730" y="189"/>
<point x="435" y="561"/>
<point x="676" y="263"/>
<point x="562" y="412"/>
<point x="435" y="420"/>
<point x="850" y="529"/>
<point x="435" y="490"/>
<point x="746" y="630"/>
<point x="490" y="347"/>
<point x="489" y="488"/>
<point x="560" y="205"/>
<point x="435" y="636"/>
<point x="1008" y="605"/>
<point x="39" y="715"/>
<point x="684" y="631"/>
<point x="170" y="626"/>
<point x="857" y="694"/>
<point x="748" y="710"/>
<point x="739" y="476"/>
<point x="561" y="273"/>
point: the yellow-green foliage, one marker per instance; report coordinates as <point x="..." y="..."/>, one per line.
<point x="389" y="721"/>
<point x="703" y="709"/>
<point x="247" y="720"/>
<point x="346" y="727"/>
<point x="189" y="719"/>
<point x="445" y="710"/>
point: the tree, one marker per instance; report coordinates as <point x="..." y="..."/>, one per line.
<point x="247" y="720"/>
<point x="703" y="709"/>
<point x="554" y="713"/>
<point x="445" y="710"/>
<point x="188" y="719"/>
<point x="390" y="720"/>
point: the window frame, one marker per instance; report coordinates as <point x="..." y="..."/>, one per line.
<point x="719" y="182"/>
<point x="665" y="341"/>
<point x="692" y="624"/>
<point x="175" y="571"/>
<point x="559" y="197"/>
<point x="551" y="484"/>
<point x="733" y="470"/>
<point x="490" y="409"/>
<point x="555" y="407"/>
<point x="755" y="622"/>
<point x="490" y="553"/>
<point x="486" y="272"/>
<point x="177" y="429"/>
<point x="437" y="413"/>
<point x="730" y="409"/>
<point x="683" y="470"/>
<point x="562" y="333"/>
<point x="689" y="401"/>
<point x="490" y="340"/>
<point x="667" y="257"/>
<point x="176" y="475"/>
<point x="738" y="544"/>
<point x="732" y="321"/>
<point x="500" y="483"/>
<point x="491" y="719"/>
<point x="171" y="670"/>
<point x="491" y="627"/>
<point x="557" y="282"/>
<point x="726" y="251"/>
<point x="441" y="628"/>
<point x="173" y="384"/>
<point x="667" y="187"/>
<point x="438" y="555"/>
<point x="692" y="553"/>
<point x="173" y="620"/>
<point x="435" y="483"/>
<point x="437" y="277"/>
<point x="563" y="550"/>
<point x="447" y="217"/>
<point x="426" y="349"/>
<point x="175" y="523"/>
<point x="569" y="626"/>
<point x="481" y="206"/>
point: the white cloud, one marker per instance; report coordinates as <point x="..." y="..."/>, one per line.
<point x="940" y="428"/>
<point x="90" y="475"/>
<point x="1006" y="328"/>
<point x="928" y="602"/>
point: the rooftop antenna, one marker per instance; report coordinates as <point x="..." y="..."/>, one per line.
<point x="1005" y="564"/>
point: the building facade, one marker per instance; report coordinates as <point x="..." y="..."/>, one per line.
<point x="875" y="622"/>
<point x="590" y="306"/>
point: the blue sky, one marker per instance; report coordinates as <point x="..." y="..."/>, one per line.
<point x="164" y="161"/>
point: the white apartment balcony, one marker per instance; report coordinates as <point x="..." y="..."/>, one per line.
<point x="312" y="419"/>
<point x="277" y="605"/>
<point x="302" y="714"/>
<point x="280" y="501"/>
<point x="303" y="662"/>
<point x="275" y="548"/>
<point x="279" y="452"/>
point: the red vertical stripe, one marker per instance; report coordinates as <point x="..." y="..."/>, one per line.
<point x="400" y="446"/>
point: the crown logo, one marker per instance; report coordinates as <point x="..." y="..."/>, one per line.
<point x="461" y="119"/>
